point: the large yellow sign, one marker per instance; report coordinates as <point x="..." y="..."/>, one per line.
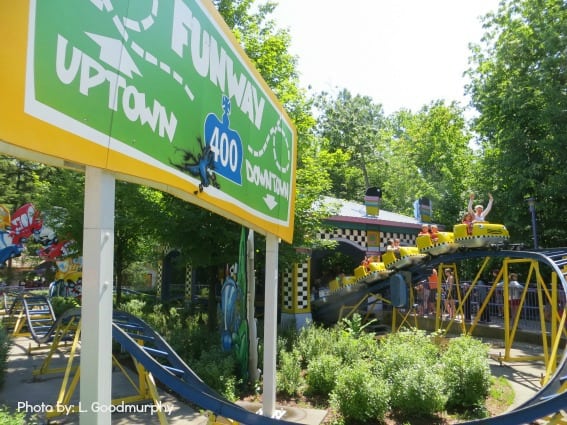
<point x="156" y="92"/>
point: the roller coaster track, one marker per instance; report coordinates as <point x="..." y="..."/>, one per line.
<point x="148" y="348"/>
<point x="549" y="404"/>
<point x="32" y="311"/>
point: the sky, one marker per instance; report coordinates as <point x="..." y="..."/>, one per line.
<point x="402" y="53"/>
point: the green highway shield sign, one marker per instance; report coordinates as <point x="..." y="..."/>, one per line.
<point x="167" y="90"/>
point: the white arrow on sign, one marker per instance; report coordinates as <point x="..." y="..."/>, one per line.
<point x="270" y="201"/>
<point x="113" y="52"/>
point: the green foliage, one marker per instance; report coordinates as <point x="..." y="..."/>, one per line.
<point x="62" y="304"/>
<point x="135" y="307"/>
<point x="409" y="361"/>
<point x="289" y="374"/>
<point x="359" y="395"/>
<point x="4" y="350"/>
<point x="11" y="418"/>
<point x="218" y="369"/>
<point x="466" y="372"/>
<point x="517" y="85"/>
<point x="419" y="391"/>
<point x="322" y="373"/>
<point x="312" y="342"/>
<point x="354" y="325"/>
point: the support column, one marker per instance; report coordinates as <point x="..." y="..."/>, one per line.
<point x="270" y="325"/>
<point x="96" y="310"/>
<point x="296" y="297"/>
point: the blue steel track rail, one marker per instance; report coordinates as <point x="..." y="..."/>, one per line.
<point x="46" y="335"/>
<point x="158" y="358"/>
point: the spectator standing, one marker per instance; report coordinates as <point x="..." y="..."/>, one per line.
<point x="482" y="292"/>
<point x="514" y="294"/>
<point x="450" y="293"/>
<point x="431" y="300"/>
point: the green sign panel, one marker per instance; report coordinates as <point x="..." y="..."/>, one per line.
<point x="164" y="82"/>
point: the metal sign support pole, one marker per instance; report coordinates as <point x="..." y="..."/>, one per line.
<point x="270" y="325"/>
<point x="96" y="332"/>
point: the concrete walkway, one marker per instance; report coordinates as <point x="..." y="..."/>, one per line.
<point x="525" y="376"/>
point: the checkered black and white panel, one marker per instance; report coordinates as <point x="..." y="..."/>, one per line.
<point x="354" y="235"/>
<point x="287" y="291"/>
<point x="406" y="239"/>
<point x="303" y="296"/>
<point x="159" y="277"/>
<point x="188" y="280"/>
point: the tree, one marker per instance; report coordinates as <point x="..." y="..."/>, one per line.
<point x="408" y="155"/>
<point x="351" y="125"/>
<point x="430" y="157"/>
<point x="18" y="179"/>
<point x="517" y="84"/>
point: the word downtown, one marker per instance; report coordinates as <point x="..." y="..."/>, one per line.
<point x="152" y="409"/>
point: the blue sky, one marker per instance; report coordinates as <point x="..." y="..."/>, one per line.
<point x="402" y="53"/>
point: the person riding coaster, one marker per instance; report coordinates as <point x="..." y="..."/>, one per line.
<point x="477" y="232"/>
<point x="481" y="235"/>
<point x="370" y="271"/>
<point x="408" y="255"/>
<point x="440" y="243"/>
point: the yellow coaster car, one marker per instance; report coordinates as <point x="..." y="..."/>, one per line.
<point x="409" y="255"/>
<point x="482" y="235"/>
<point x="341" y="282"/>
<point x="372" y="272"/>
<point x="443" y="244"/>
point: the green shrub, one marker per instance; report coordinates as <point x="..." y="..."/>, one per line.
<point x="289" y="380"/>
<point x="314" y="341"/>
<point x="352" y="348"/>
<point x="4" y="349"/>
<point x="135" y="307"/>
<point x="359" y="395"/>
<point x="466" y="372"/>
<point x="62" y="304"/>
<point x="218" y="370"/>
<point x="418" y="391"/>
<point x="322" y="373"/>
<point x="9" y="418"/>
<point x="409" y="360"/>
<point x="354" y="325"/>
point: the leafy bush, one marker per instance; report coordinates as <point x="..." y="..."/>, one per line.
<point x="289" y="373"/>
<point x="218" y="370"/>
<point x="354" y="325"/>
<point x="359" y="395"/>
<point x="314" y="341"/>
<point x="409" y="361"/>
<point x="135" y="307"/>
<point x="9" y="418"/>
<point x="322" y="373"/>
<point x="62" y="304"/>
<point x="4" y="349"/>
<point x="419" y="391"/>
<point x="466" y="372"/>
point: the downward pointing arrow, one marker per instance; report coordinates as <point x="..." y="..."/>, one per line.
<point x="270" y="201"/>
<point x="113" y="53"/>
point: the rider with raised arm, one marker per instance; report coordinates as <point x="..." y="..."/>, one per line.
<point x="479" y="213"/>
